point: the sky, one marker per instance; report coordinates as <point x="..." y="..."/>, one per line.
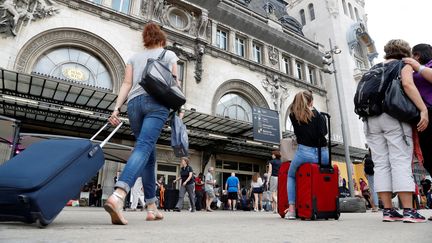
<point x="399" y="19"/>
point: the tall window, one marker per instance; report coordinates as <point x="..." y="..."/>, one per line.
<point x="75" y="65"/>
<point x="350" y="11"/>
<point x="312" y="77"/>
<point x="286" y="65"/>
<point x="221" y="39"/>
<point x="234" y="106"/>
<point x="181" y="72"/>
<point x="302" y="17"/>
<point x="311" y="11"/>
<point x="357" y="14"/>
<point x="299" y="70"/>
<point x="240" y="46"/>
<point x="121" y="5"/>
<point x="256" y="53"/>
<point x="344" y="7"/>
<point x="96" y="1"/>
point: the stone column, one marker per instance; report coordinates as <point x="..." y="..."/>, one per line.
<point x="293" y="67"/>
<point x="107" y="3"/>
<point x="249" y="49"/>
<point x="281" y="62"/>
<point x="231" y="41"/>
<point x="135" y="8"/>
<point x="214" y="30"/>
<point x="265" y="55"/>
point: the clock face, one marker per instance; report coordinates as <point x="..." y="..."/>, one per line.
<point x="74" y="65"/>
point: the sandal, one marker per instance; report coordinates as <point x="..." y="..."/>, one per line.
<point x="154" y="215"/>
<point x="115" y="208"/>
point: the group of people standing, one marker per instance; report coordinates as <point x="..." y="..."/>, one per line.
<point x="389" y="139"/>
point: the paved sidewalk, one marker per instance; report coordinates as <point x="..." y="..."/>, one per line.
<point x="93" y="225"/>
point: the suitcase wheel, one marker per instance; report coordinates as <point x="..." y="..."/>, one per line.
<point x="314" y="216"/>
<point x="42" y="224"/>
<point x="337" y="216"/>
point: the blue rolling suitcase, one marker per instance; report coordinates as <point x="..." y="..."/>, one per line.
<point x="36" y="184"/>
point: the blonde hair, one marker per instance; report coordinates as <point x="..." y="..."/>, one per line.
<point x="300" y="107"/>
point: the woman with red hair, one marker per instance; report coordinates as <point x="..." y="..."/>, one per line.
<point x="147" y="117"/>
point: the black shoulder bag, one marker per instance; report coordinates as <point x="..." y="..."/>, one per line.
<point x="159" y="82"/>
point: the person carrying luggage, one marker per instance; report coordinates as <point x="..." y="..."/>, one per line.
<point x="310" y="129"/>
<point x="273" y="171"/>
<point x="147" y="118"/>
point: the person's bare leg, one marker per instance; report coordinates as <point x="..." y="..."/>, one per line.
<point x="256" y="201"/>
<point x="386" y="198"/>
<point x="406" y="199"/>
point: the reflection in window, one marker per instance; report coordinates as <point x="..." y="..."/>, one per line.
<point x="178" y="20"/>
<point x="256" y="53"/>
<point x="302" y="17"/>
<point x="311" y="11"/>
<point x="181" y="72"/>
<point x="75" y="65"/>
<point x="234" y="106"/>
<point x="299" y="70"/>
<point x="285" y="65"/>
<point x="357" y="14"/>
<point x="221" y="39"/>
<point x="121" y="5"/>
<point x="96" y="1"/>
<point x="240" y="46"/>
<point x="312" y="76"/>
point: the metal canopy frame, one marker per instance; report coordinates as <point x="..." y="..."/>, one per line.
<point x="48" y="102"/>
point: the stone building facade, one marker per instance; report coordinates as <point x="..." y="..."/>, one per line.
<point x="234" y="54"/>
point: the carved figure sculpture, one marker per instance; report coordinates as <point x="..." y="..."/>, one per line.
<point x="202" y="29"/>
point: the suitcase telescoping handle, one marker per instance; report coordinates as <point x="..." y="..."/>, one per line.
<point x="329" y="142"/>
<point x="109" y="136"/>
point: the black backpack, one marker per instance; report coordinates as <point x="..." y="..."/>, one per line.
<point x="369" y="97"/>
<point x="370" y="92"/>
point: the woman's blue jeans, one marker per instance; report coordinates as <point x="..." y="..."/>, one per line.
<point x="304" y="154"/>
<point x="147" y="118"/>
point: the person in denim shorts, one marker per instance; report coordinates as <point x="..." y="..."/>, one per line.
<point x="146" y="117"/>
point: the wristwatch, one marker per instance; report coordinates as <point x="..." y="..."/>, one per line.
<point x="116" y="109"/>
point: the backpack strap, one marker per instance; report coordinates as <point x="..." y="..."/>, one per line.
<point x="162" y="55"/>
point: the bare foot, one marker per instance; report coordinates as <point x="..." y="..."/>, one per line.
<point x="114" y="206"/>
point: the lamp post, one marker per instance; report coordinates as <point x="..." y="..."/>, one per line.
<point x="329" y="59"/>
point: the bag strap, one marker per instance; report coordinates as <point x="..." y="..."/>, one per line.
<point x="162" y="55"/>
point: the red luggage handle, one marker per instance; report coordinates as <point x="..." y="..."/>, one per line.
<point x="109" y="136"/>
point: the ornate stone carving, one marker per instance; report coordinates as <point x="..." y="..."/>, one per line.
<point x="158" y="6"/>
<point x="15" y="14"/>
<point x="71" y="37"/>
<point x="196" y="56"/>
<point x="145" y="5"/>
<point x="273" y="55"/>
<point x="332" y="7"/>
<point x="202" y="29"/>
<point x="277" y="90"/>
<point x="270" y="11"/>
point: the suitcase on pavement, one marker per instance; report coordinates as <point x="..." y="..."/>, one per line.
<point x="36" y="184"/>
<point x="282" y="193"/>
<point x="171" y="197"/>
<point x="318" y="188"/>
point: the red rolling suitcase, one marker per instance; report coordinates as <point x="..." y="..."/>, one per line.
<point x="282" y="195"/>
<point x="317" y="189"/>
<point x="36" y="184"/>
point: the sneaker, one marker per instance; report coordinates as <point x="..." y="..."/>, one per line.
<point x="234" y="209"/>
<point x="412" y="216"/>
<point x="262" y="210"/>
<point x="256" y="210"/>
<point x="391" y="215"/>
<point x="430" y="218"/>
<point x="291" y="215"/>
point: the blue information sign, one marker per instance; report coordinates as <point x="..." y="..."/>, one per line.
<point x="266" y="125"/>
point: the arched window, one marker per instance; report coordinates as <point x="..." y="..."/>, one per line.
<point x="234" y="106"/>
<point x="302" y="17"/>
<point x="74" y="65"/>
<point x="357" y="14"/>
<point x="121" y="5"/>
<point x="344" y="7"/>
<point x="350" y="11"/>
<point x="311" y="11"/>
<point x="288" y="124"/>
